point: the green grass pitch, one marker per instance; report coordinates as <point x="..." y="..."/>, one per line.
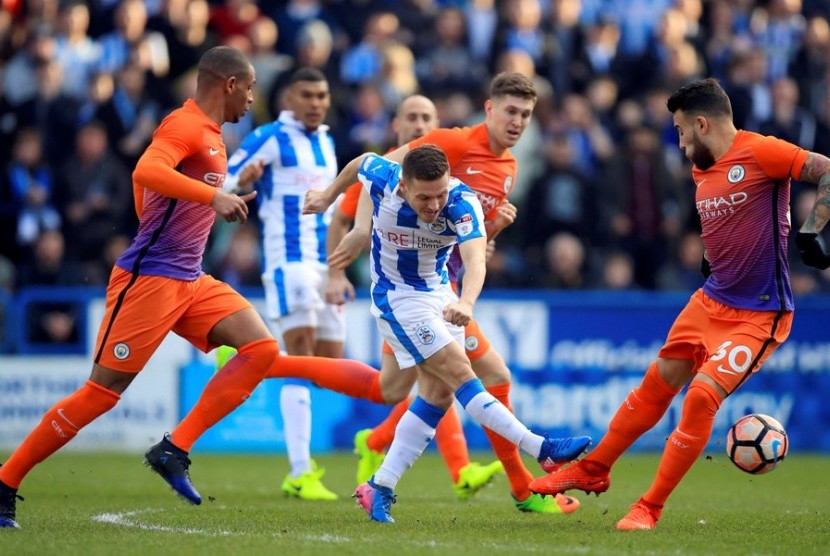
<point x="89" y="504"/>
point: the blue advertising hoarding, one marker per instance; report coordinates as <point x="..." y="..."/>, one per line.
<point x="574" y="357"/>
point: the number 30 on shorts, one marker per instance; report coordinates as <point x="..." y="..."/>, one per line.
<point x="739" y="358"/>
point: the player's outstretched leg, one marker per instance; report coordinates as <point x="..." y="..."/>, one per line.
<point x="376" y="500"/>
<point x="172" y="463"/>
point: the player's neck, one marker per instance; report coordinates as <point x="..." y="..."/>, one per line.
<point x="213" y="108"/>
<point x="724" y="142"/>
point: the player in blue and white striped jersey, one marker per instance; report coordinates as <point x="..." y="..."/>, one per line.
<point x="418" y="214"/>
<point x="284" y="159"/>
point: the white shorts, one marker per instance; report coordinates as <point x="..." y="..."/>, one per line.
<point x="413" y="324"/>
<point x="295" y="298"/>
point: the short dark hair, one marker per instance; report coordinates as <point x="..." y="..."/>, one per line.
<point x="222" y="62"/>
<point x="307" y="74"/>
<point x="425" y="162"/>
<point x="512" y="84"/>
<point x="704" y="96"/>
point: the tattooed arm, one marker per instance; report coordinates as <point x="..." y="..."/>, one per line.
<point x="816" y="170"/>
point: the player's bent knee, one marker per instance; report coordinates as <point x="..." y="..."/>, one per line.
<point x="264" y="351"/>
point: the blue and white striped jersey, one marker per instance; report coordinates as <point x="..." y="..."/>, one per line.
<point x="295" y="160"/>
<point x="409" y="254"/>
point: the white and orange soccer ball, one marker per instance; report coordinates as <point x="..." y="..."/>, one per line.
<point x="757" y="443"/>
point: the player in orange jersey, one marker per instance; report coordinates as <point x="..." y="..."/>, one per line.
<point x="480" y="157"/>
<point x="738" y="318"/>
<point x="177" y="185"/>
<point x="416" y="115"/>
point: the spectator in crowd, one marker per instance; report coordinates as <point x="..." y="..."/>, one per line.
<point x="639" y="204"/>
<point x="184" y="24"/>
<point x="793" y="123"/>
<point x="810" y="67"/>
<point x="447" y="63"/>
<point x="30" y="185"/>
<point x="683" y="271"/>
<point x="617" y="273"/>
<point x="119" y="46"/>
<point x="482" y="23"/>
<point x="77" y="52"/>
<point x="565" y="264"/>
<point x="50" y="322"/>
<point x="293" y="17"/>
<point x="52" y="112"/>
<point x="363" y="61"/>
<point x="234" y="17"/>
<point x="95" y="194"/>
<point x="561" y="199"/>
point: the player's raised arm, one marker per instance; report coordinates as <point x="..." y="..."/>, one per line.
<point x="357" y="239"/>
<point x="816" y="170"/>
<point x="317" y="201"/>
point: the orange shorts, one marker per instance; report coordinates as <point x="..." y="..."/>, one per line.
<point x="476" y="343"/>
<point x="726" y="344"/>
<point x="141" y="310"/>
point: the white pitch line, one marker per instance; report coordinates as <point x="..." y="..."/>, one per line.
<point x="124" y="519"/>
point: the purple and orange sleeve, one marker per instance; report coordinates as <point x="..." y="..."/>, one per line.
<point x="175" y="139"/>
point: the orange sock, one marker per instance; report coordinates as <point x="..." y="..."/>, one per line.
<point x="449" y="437"/>
<point x="59" y="425"/>
<point x="345" y="376"/>
<point x="381" y="436"/>
<point x="507" y="452"/>
<point x="228" y="388"/>
<point x="686" y="442"/>
<point x="640" y="411"/>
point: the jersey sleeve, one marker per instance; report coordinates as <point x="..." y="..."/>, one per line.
<point x="348" y="204"/>
<point x="174" y="140"/>
<point x="778" y="158"/>
<point x="452" y="141"/>
<point x="465" y="214"/>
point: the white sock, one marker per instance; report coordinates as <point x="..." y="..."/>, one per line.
<point x="488" y="412"/>
<point x="412" y="436"/>
<point x="295" y="406"/>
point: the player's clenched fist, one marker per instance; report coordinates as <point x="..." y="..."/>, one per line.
<point x="316" y="201"/>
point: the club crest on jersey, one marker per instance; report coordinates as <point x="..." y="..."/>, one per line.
<point x="471" y="343"/>
<point x="438" y="225"/>
<point x="425" y="334"/>
<point x="121" y="351"/>
<point x="736" y="173"/>
<point x="508" y="182"/>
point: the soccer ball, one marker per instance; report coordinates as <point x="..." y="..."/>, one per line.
<point x="757" y="443"/>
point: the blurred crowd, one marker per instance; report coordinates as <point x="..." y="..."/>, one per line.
<point x="605" y="197"/>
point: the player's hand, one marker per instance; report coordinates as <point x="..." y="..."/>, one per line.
<point x="490" y="250"/>
<point x="315" y="201"/>
<point x="347" y="250"/>
<point x="230" y="206"/>
<point x="506" y="214"/>
<point x="250" y="174"/>
<point x="459" y="313"/>
<point x="339" y="290"/>
<point x="812" y="252"/>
